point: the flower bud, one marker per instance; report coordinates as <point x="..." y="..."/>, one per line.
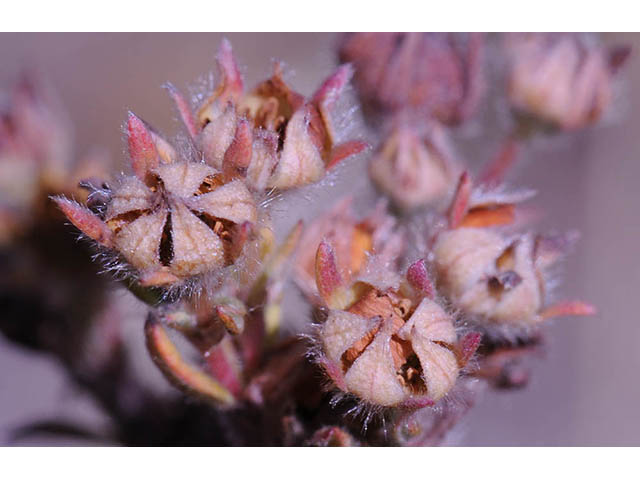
<point x="494" y="277"/>
<point x="354" y="241"/>
<point x="388" y="346"/>
<point x="561" y="79"/>
<point x="437" y="74"/>
<point x="490" y="275"/>
<point x="35" y="153"/>
<point x="414" y="171"/>
<point x="277" y="137"/>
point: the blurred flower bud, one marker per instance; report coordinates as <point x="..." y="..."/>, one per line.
<point x="414" y="170"/>
<point x="437" y="74"/>
<point x="490" y="275"/>
<point x="354" y="241"/>
<point x="36" y="156"/>
<point x="564" y="80"/>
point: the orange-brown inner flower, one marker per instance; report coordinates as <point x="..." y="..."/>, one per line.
<point x="361" y="244"/>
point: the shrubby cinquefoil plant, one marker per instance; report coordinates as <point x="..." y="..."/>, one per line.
<point x="409" y="306"/>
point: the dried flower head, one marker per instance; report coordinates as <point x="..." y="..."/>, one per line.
<point x="174" y="219"/>
<point x="433" y="73"/>
<point x="272" y="136"/>
<point x="561" y="79"/>
<point x="385" y="339"/>
<point x="414" y="170"/>
<point x="355" y="241"/>
<point x="495" y="277"/>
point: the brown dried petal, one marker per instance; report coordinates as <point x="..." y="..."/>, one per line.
<point x="522" y="302"/>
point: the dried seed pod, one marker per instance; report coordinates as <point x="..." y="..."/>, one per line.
<point x="496" y="278"/>
<point x="354" y="241"/>
<point x="561" y="79"/>
<point x="388" y="346"/>
<point x="437" y="74"/>
<point x="171" y="221"/>
<point x="414" y="170"/>
<point x="272" y="136"/>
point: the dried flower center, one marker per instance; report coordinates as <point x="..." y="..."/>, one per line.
<point x="375" y="304"/>
<point x="209" y="184"/>
<point x="271" y="106"/>
<point x="164" y="200"/>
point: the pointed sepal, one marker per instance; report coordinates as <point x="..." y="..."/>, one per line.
<point x="86" y="221"/>
<point x="143" y="154"/>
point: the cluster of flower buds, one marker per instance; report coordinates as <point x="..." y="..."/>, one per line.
<point x="189" y="227"/>
<point x="433" y="74"/>
<point x="386" y="340"/>
<point x="497" y="278"/>
<point x="179" y="218"/>
<point x="563" y="80"/>
<point x="271" y="136"/>
<point x="420" y="84"/>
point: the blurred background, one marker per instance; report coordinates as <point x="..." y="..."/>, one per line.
<point x="584" y="390"/>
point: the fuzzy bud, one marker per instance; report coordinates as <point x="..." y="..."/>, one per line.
<point x="413" y="170"/>
<point x="272" y="136"/>
<point x="437" y="74"/>
<point x="389" y="346"/>
<point x="561" y="79"/>
<point x="492" y="276"/>
<point x="171" y="221"/>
